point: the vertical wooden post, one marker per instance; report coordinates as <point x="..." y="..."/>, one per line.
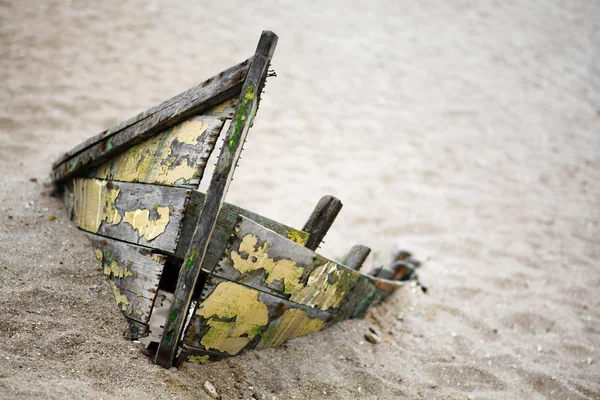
<point x="321" y="220"/>
<point x="356" y="256"/>
<point x="215" y="197"/>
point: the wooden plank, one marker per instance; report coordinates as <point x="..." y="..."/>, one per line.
<point x="321" y="220"/>
<point x="91" y="215"/>
<point x="261" y="259"/>
<point x="232" y="318"/>
<point x="226" y="220"/>
<point x="194" y="101"/>
<point x="141" y="214"/>
<point x="133" y="273"/>
<point x="356" y="257"/>
<point x="228" y="158"/>
<point x="175" y="157"/>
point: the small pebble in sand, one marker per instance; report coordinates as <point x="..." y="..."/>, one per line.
<point x="539" y="348"/>
<point x="51" y="218"/>
<point x="590" y="361"/>
<point x="210" y="390"/>
<point x="373" y="336"/>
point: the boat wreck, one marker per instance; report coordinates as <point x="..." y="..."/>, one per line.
<point x="229" y="280"/>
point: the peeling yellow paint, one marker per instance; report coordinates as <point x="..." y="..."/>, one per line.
<point x="99" y="255"/>
<point x="113" y="269"/>
<point x="235" y="316"/>
<point x="326" y="287"/>
<point x="258" y="258"/>
<point x="249" y="95"/>
<point x="173" y="174"/>
<point x="220" y="108"/>
<point x="199" y="359"/>
<point x="152" y="160"/>
<point x="157" y="258"/>
<point x="293" y="323"/>
<point x="148" y="228"/>
<point x="94" y="204"/>
<point x="112" y="215"/>
<point x="121" y="299"/>
<point x="297" y="236"/>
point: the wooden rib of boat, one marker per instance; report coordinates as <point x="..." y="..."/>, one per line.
<point x="229" y="280"/>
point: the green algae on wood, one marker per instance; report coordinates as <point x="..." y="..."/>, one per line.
<point x="241" y="115"/>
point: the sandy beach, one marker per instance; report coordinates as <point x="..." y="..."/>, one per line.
<point x="465" y="132"/>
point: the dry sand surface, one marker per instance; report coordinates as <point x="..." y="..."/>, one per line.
<point x="467" y="132"/>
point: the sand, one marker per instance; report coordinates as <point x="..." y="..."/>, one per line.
<point x="466" y="132"/>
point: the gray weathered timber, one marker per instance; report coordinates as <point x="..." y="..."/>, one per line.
<point x="228" y="158"/>
<point x="141" y="214"/>
<point x="226" y="220"/>
<point x="133" y="273"/>
<point x="232" y="318"/>
<point x="194" y="101"/>
<point x="356" y="256"/>
<point x="321" y="220"/>
<point x="174" y="157"/>
<point x="259" y="258"/>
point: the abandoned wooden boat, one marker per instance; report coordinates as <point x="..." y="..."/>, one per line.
<point x="231" y="280"/>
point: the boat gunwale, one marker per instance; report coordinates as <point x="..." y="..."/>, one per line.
<point x="236" y="75"/>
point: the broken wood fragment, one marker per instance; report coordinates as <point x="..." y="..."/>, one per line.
<point x="321" y="220"/>
<point x="356" y="257"/>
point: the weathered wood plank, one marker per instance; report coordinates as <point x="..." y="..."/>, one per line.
<point x="194" y="101"/>
<point x="321" y="220"/>
<point x="141" y="214"/>
<point x="259" y="258"/>
<point x="356" y="257"/>
<point x="175" y="157"/>
<point x="226" y="220"/>
<point x="232" y="318"/>
<point x="230" y="152"/>
<point x="133" y="273"/>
